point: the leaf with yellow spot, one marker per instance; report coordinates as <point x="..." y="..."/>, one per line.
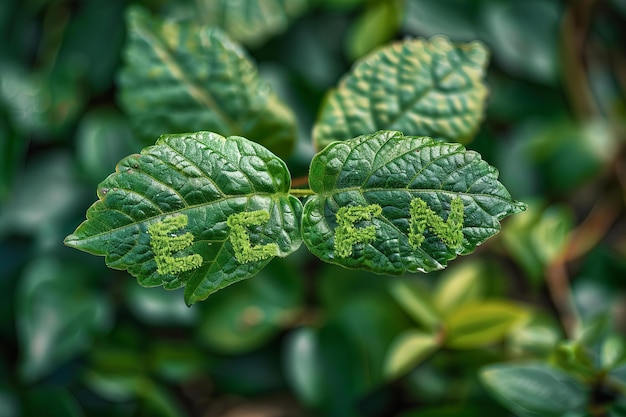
<point x="251" y="22"/>
<point x="419" y="87"/>
<point x="182" y="77"/>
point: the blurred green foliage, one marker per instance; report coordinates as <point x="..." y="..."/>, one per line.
<point x="535" y="315"/>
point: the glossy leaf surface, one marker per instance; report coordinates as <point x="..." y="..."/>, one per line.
<point x="420" y="87"/>
<point x="181" y="77"/>
<point x="380" y="177"/>
<point x="196" y="210"/>
<point x="534" y="390"/>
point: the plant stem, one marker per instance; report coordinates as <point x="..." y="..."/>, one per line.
<point x="579" y="242"/>
<point x="300" y="181"/>
<point x="574" y="31"/>
<point x="301" y="192"/>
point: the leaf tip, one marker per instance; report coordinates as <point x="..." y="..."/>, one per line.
<point x="520" y="207"/>
<point x="72" y="241"/>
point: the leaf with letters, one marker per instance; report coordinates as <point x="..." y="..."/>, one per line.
<point x="182" y="77"/>
<point x="195" y="210"/>
<point x="420" y="87"/>
<point x="391" y="204"/>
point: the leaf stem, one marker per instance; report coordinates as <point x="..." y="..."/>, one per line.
<point x="300" y="181"/>
<point x="301" y="192"/>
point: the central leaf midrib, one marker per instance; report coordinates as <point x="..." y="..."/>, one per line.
<point x="419" y="97"/>
<point x="202" y="96"/>
<point x="272" y="196"/>
<point x="361" y="190"/>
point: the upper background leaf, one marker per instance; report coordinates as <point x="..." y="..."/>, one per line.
<point x="206" y="178"/>
<point x="430" y="88"/>
<point x="181" y="77"/>
<point x="389" y="170"/>
<point x="251" y="22"/>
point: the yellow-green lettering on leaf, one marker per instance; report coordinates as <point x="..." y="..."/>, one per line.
<point x="165" y="243"/>
<point x="346" y="235"/>
<point x="450" y="231"/>
<point x="239" y="238"/>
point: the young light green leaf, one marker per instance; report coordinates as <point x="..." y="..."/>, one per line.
<point x="408" y="350"/>
<point x="253" y="21"/>
<point x="482" y="323"/>
<point x="533" y="390"/>
<point x="432" y="88"/>
<point x="460" y="285"/>
<point x="417" y="303"/>
<point x="377" y="24"/>
<point x="181" y="77"/>
<point x="425" y="203"/>
<point x="171" y="215"/>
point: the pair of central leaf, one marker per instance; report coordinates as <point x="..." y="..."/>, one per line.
<point x="203" y="211"/>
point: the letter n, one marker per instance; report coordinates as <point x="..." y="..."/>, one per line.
<point x="450" y="231"/>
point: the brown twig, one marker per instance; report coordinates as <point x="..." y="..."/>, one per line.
<point x="574" y="31"/>
<point x="573" y="36"/>
<point x="579" y="242"/>
<point x="300" y="181"/>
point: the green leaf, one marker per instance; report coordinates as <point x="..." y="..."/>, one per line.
<point x="155" y="307"/>
<point x="419" y="87"/>
<point x="408" y="350"/>
<point x="613" y="351"/>
<point x="478" y="324"/>
<point x="454" y="18"/>
<point x="377" y="25"/>
<point x="302" y="365"/>
<point x="536" y="337"/>
<point x="251" y="22"/>
<point x="244" y="317"/>
<point x="416" y="303"/>
<point x="180" y="77"/>
<point x="196" y="210"/>
<point x="57" y="315"/>
<point x="523" y="52"/>
<point x="45" y="104"/>
<point x="382" y="199"/>
<point x="460" y="285"/>
<point x="537" y="237"/>
<point x="531" y="390"/>
<point x="103" y="137"/>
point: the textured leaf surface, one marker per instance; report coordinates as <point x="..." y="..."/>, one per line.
<point x="389" y="171"/>
<point x="431" y="88"/>
<point x="534" y="390"/>
<point x="252" y="21"/>
<point x="170" y="215"/>
<point x="180" y="77"/>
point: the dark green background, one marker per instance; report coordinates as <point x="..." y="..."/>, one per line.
<point x="303" y="337"/>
